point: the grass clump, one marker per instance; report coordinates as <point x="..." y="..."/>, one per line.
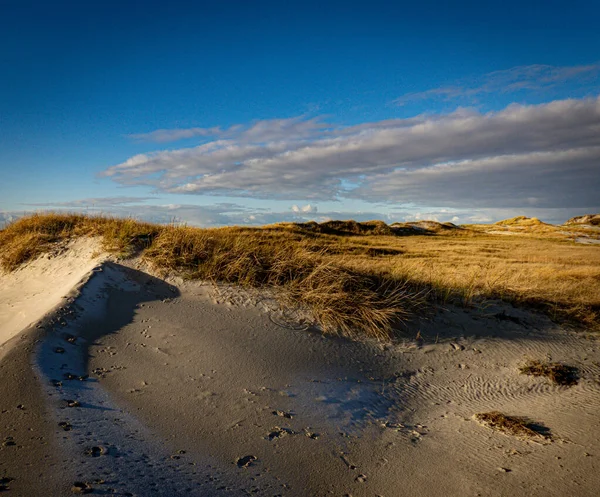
<point x="511" y="425"/>
<point x="558" y="373"/>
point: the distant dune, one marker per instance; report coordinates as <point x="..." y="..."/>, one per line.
<point x="521" y="221"/>
<point x="593" y="219"/>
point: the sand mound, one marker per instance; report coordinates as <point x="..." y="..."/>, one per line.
<point x="522" y="221"/>
<point x="33" y="290"/>
<point x="593" y="219"/>
<point x="378" y="228"/>
<point x="435" y="226"/>
<point x="348" y="227"/>
<point x="424" y="227"/>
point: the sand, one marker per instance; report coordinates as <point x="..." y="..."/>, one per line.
<point x="190" y="394"/>
<point x="33" y="290"/>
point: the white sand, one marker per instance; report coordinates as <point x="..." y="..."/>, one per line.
<point x="181" y="387"/>
<point x="33" y="290"/>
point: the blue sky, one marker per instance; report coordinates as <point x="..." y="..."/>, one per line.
<point x="252" y="112"/>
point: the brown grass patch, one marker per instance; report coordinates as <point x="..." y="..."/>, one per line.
<point x="511" y="425"/>
<point x="556" y="372"/>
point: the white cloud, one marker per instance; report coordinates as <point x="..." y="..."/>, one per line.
<point x="536" y="77"/>
<point x="169" y="135"/>
<point x="256" y="132"/>
<point x="545" y="155"/>
<point x="305" y="209"/>
<point x="567" y="178"/>
<point x="93" y="202"/>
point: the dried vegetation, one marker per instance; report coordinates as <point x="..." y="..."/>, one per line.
<point x="510" y="425"/>
<point x="557" y="373"/>
<point x="354" y="277"/>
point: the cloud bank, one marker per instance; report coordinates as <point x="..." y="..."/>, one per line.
<point x="221" y="214"/>
<point x="523" y="156"/>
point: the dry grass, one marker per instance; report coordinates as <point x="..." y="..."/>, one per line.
<point x="556" y="372"/>
<point x="355" y="277"/>
<point x="522" y="221"/>
<point x="31" y="236"/>
<point x="342" y="299"/>
<point x="558" y="277"/>
<point x="510" y="425"/>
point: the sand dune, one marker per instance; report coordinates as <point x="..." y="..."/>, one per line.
<point x="33" y="290"/>
<point x="140" y="386"/>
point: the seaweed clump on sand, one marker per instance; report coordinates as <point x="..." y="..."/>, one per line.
<point x="512" y="425"/>
<point x="559" y="374"/>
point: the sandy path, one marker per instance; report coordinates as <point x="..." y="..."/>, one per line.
<point x="30" y="459"/>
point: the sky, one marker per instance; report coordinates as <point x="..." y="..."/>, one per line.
<point x="233" y="112"/>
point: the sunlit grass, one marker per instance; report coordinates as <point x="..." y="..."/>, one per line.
<point x="354" y="277"/>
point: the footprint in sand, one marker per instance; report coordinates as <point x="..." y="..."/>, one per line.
<point x="95" y="451"/>
<point x="244" y="462"/>
<point x="80" y="487"/>
<point x="4" y="483"/>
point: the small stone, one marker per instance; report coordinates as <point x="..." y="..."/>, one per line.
<point x="59" y="350"/>
<point x="361" y="478"/>
<point x="72" y="403"/>
<point x="21" y="407"/>
<point x="505" y="470"/>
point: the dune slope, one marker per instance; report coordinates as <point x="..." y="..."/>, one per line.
<point x="139" y="386"/>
